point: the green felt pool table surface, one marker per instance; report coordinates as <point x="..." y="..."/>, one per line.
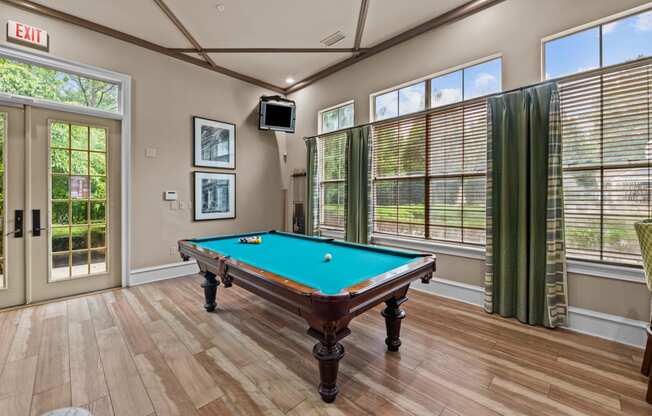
<point x="301" y="259"/>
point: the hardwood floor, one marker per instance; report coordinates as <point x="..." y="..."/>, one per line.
<point x="152" y="350"/>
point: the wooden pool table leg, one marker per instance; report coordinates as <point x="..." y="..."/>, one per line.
<point x="210" y="285"/>
<point x="393" y="315"/>
<point x="328" y="352"/>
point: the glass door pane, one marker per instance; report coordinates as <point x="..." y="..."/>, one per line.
<point x="78" y="200"/>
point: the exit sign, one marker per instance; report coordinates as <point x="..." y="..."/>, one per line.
<point x="27" y="35"/>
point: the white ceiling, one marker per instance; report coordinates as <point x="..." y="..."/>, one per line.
<point x="387" y="18"/>
<point x="260" y="24"/>
<point x="275" y="68"/>
<point x="140" y="18"/>
<point x="267" y="23"/>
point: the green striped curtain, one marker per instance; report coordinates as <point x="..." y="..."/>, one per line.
<point x="526" y="265"/>
<point x="358" y="168"/>
<point x="312" y="188"/>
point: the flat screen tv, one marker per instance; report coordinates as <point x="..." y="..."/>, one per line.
<point x="277" y="113"/>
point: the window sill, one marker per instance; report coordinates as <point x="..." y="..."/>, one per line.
<point x="477" y="253"/>
<point x="607" y="271"/>
<point x="332" y="233"/>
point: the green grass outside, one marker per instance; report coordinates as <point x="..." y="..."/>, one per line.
<point x="440" y="214"/>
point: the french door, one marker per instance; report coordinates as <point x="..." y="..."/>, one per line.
<point x="61" y="205"/>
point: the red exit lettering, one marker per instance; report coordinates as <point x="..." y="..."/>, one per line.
<point x="26" y="33"/>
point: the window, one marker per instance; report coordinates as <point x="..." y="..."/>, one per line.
<point x="446" y="89"/>
<point x="78" y="198"/>
<point x="335" y="118"/>
<point x="410" y="99"/>
<point x="331" y="169"/>
<point x="35" y="81"/>
<point x="610" y="43"/>
<point x="464" y="84"/>
<point x="482" y="79"/>
<point x="429" y="174"/>
<point x="606" y="134"/>
<point x="627" y="39"/>
<point x="429" y="170"/>
<point x="575" y="53"/>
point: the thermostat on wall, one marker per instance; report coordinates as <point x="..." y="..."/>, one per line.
<point x="170" y="195"/>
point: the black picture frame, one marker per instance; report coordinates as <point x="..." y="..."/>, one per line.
<point x="198" y="215"/>
<point x="197" y="123"/>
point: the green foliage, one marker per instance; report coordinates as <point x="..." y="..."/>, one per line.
<point x="583" y="238"/>
<point x="400" y="150"/>
<point x="98" y="139"/>
<point x="49" y="84"/>
<point x="333" y="153"/>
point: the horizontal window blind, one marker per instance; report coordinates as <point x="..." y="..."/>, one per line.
<point x="331" y="164"/>
<point x="607" y="152"/>
<point x="429" y="174"/>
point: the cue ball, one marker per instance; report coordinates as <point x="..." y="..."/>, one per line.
<point x="328" y="257"/>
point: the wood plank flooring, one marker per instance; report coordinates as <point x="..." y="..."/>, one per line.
<point x="152" y="350"/>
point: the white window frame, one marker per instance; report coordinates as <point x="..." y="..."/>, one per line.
<point x="595" y="23"/>
<point x="333" y="107"/>
<point x="373" y="95"/>
<point x="124" y="115"/>
<point x="460" y="250"/>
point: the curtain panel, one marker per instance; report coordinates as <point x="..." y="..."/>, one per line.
<point x="312" y="188"/>
<point x="358" y="169"/>
<point x="526" y="275"/>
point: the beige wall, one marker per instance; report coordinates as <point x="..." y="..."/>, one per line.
<point x="166" y="94"/>
<point x="513" y="28"/>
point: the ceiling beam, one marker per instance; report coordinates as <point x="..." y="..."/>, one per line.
<point x="267" y="50"/>
<point x="168" y="12"/>
<point x="453" y="15"/>
<point x="116" y="34"/>
<point x="362" y="18"/>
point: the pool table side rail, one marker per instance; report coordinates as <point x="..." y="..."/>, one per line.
<point x="425" y="264"/>
<point x="253" y="233"/>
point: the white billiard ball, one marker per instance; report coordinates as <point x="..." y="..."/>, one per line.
<point x="328" y="257"/>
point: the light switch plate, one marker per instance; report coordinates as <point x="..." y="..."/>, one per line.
<point x="150" y="152"/>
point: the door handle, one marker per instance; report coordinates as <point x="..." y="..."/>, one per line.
<point x="36" y="223"/>
<point x="18" y="223"/>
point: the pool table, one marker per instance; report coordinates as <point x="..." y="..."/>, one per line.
<point x="291" y="271"/>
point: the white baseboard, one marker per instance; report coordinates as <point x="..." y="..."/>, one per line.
<point x="450" y="289"/>
<point x="603" y="325"/>
<point x="162" y="272"/>
<point x="585" y="321"/>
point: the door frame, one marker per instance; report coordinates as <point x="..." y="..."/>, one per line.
<point x="123" y="114"/>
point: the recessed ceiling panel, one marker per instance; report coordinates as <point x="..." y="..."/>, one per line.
<point x="140" y="18"/>
<point x="387" y="19"/>
<point x="267" y="23"/>
<point x="275" y="68"/>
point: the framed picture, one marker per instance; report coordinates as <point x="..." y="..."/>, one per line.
<point x="214" y="196"/>
<point x="214" y="143"/>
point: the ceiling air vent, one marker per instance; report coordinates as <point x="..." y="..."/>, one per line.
<point x="331" y="40"/>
